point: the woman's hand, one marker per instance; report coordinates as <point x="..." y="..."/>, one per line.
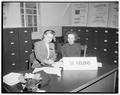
<point x="49" y="61"/>
<point x="61" y="60"/>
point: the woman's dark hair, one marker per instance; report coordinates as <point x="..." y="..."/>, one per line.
<point x="48" y="31"/>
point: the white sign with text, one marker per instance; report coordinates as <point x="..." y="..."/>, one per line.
<point x="80" y="63"/>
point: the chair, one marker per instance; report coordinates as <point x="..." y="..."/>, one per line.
<point x="84" y="48"/>
<point x="31" y="60"/>
<point x="33" y="63"/>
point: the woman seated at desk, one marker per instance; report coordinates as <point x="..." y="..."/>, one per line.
<point x="72" y="49"/>
<point x="44" y="50"/>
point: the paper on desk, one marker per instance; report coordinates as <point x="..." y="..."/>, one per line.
<point x="49" y="70"/>
<point x="58" y="64"/>
<point x="11" y="78"/>
<point x="38" y="69"/>
<point x="38" y="90"/>
<point x="99" y="64"/>
<point x="53" y="70"/>
<point x="29" y="75"/>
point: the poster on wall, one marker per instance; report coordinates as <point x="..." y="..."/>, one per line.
<point x="79" y="14"/>
<point x="113" y="15"/>
<point x="98" y="14"/>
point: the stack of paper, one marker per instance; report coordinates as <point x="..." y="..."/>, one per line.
<point x="58" y="64"/>
<point x="38" y="90"/>
<point x="53" y="71"/>
<point x="29" y="75"/>
<point x="38" y="69"/>
<point x="11" y="78"/>
<point x="49" y="70"/>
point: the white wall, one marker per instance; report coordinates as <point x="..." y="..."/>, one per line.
<point x="113" y="18"/>
<point x="13" y="18"/>
<point x="54" y="15"/>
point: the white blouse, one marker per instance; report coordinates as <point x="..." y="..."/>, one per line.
<point x="47" y="45"/>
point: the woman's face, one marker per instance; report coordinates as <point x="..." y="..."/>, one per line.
<point x="48" y="37"/>
<point x="71" y="38"/>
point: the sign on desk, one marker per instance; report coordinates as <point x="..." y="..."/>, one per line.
<point x="80" y="63"/>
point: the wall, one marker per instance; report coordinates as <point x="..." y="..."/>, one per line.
<point x="54" y="15"/>
<point x="12" y="15"/>
<point x="113" y="15"/>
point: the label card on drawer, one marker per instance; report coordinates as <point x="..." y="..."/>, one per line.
<point x="80" y="63"/>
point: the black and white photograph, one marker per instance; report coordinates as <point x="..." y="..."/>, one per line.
<point x="59" y="47"/>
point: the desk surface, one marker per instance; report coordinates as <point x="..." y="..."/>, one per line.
<point x="73" y="81"/>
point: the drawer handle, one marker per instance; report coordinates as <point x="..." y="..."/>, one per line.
<point x="12" y="53"/>
<point x="96" y="31"/>
<point x="105" y="49"/>
<point x="105" y="41"/>
<point x="25" y="31"/>
<point x="116" y="42"/>
<point x="115" y="61"/>
<point x="12" y="43"/>
<point x="26" y="41"/>
<point x="95" y="48"/>
<point x="26" y="51"/>
<point x="11" y="32"/>
<point x="106" y="31"/>
<point x="26" y="61"/>
<point x="86" y="38"/>
<point x="13" y="64"/>
<point x="116" y="52"/>
<point x="87" y="31"/>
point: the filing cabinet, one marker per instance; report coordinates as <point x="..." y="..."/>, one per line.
<point x="25" y="45"/>
<point x="17" y="47"/>
<point x="101" y="41"/>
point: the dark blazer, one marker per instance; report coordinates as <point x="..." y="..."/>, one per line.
<point x="41" y="53"/>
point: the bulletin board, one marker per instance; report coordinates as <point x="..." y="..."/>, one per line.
<point x="113" y="15"/>
<point x="79" y="16"/>
<point x="98" y="14"/>
<point x="102" y="14"/>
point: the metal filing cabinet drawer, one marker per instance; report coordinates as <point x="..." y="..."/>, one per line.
<point x="25" y="45"/>
<point x="16" y="48"/>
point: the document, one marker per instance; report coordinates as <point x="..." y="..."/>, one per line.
<point x="38" y="69"/>
<point x="53" y="70"/>
<point x="49" y="70"/>
<point x="58" y="64"/>
<point x="11" y="78"/>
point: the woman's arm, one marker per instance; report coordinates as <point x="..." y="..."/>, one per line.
<point x="53" y="57"/>
<point x="39" y="53"/>
<point x="63" y="51"/>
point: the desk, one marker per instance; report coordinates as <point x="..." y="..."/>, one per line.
<point x="102" y="80"/>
